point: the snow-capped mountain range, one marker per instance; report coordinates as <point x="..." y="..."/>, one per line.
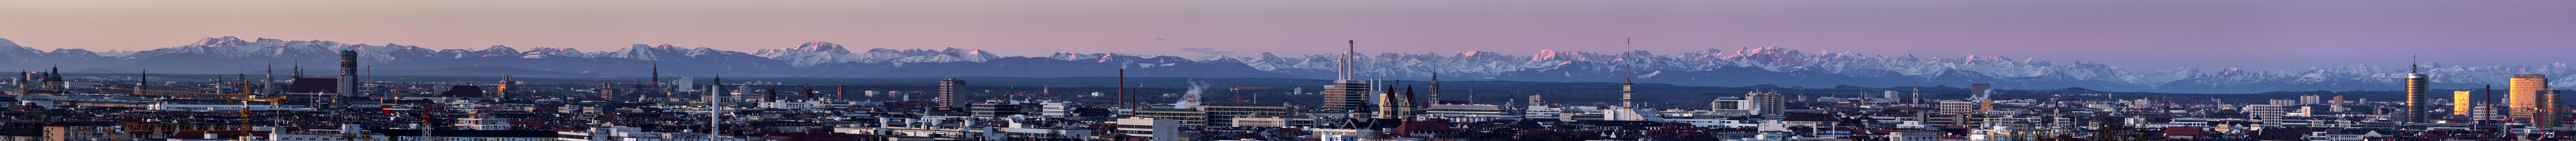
<point x="1712" y="67"/>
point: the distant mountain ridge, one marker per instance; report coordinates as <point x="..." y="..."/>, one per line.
<point x="1711" y="67"/>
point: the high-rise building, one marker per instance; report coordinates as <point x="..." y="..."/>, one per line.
<point x="1770" y="102"/>
<point x="684" y="84"/>
<point x="2416" y="100"/>
<point x="503" y="91"/>
<point x="1888" y="94"/>
<point x="2309" y="99"/>
<point x="2523" y="95"/>
<point x="2269" y="115"/>
<point x="1980" y="91"/>
<point x="348" y="78"/>
<point x="2338" y="100"/>
<point x="2550" y="101"/>
<point x="2461" y="101"/>
<point x="948" y="92"/>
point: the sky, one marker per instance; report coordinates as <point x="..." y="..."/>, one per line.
<point x="2263" y="35"/>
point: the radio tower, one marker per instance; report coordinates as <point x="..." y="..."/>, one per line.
<point x="1627" y="95"/>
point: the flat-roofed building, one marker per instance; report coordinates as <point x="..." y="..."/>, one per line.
<point x="1158" y="129"/>
<point x="1186" y="117"/>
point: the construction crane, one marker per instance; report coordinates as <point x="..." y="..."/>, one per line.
<point x="1238" y="92"/>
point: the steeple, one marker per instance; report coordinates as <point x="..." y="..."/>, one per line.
<point x="1435" y="88"/>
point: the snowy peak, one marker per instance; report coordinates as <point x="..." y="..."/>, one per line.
<point x="1709" y="67"/>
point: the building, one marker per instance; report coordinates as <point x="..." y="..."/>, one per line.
<point x="1735" y="105"/>
<point x="2282" y="102"/>
<point x="1223" y="114"/>
<point x="2269" y="115"/>
<point x="1158" y="129"/>
<point x="81" y="131"/>
<point x="1180" y="117"/>
<point x="1055" y="109"/>
<point x="994" y="109"/>
<point x="2523" y="95"/>
<point x="948" y="92"/>
<point x="1958" y="106"/>
<point x="2461" y="101"/>
<point x="472" y="135"/>
<point x="1275" y="121"/>
<point x="1887" y="94"/>
<point x="2416" y="100"/>
<point x="484" y="122"/>
<point x="2309" y="99"/>
<point x="1345" y="134"/>
<point x="1347" y="95"/>
<point x="1768" y="102"/>
<point x="1447" y="109"/>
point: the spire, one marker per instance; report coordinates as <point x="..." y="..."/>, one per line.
<point x="1435" y="88"/>
<point x="657" y="72"/>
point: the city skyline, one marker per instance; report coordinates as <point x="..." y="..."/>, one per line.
<point x="2148" y="35"/>
<point x="1120" y="70"/>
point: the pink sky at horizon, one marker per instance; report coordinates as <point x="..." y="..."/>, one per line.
<point x="2261" y="35"/>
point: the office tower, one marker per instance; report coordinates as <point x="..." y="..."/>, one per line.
<point x="1979" y="91"/>
<point x="2269" y="115"/>
<point x="684" y="84"/>
<point x="1768" y="102"/>
<point x="1346" y="94"/>
<point x="2549" y="109"/>
<point x="948" y="92"/>
<point x="348" y="78"/>
<point x="2308" y="99"/>
<point x="504" y="90"/>
<point x="2461" y="101"/>
<point x="2338" y="100"/>
<point x="2522" y="93"/>
<point x="2416" y="101"/>
<point x="1888" y="94"/>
